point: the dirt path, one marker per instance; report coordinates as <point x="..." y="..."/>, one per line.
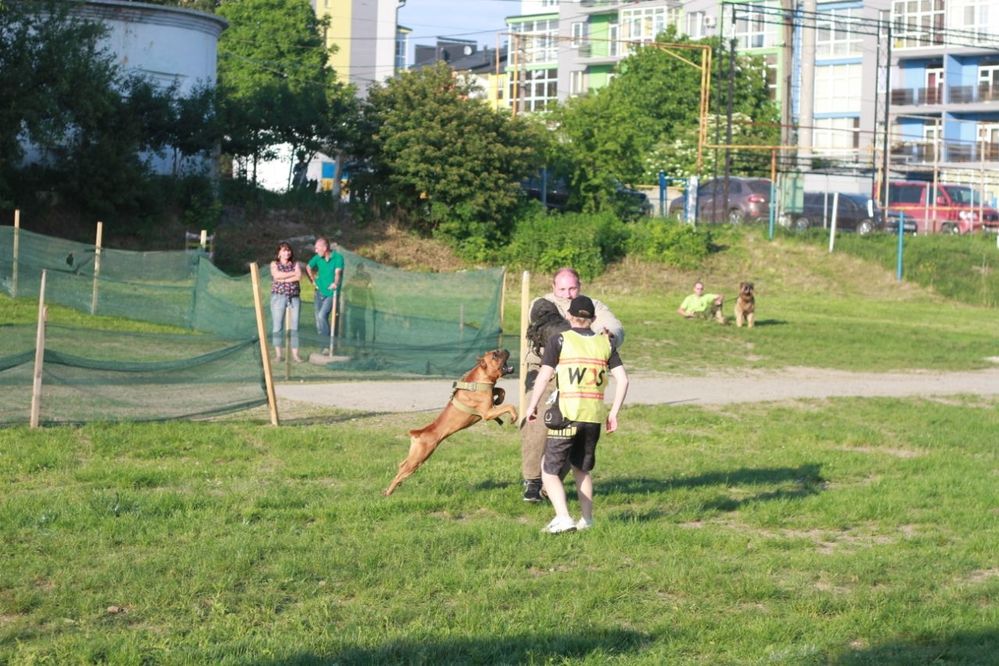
<point x="754" y="386"/>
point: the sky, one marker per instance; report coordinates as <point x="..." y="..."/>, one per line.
<point x="466" y="19"/>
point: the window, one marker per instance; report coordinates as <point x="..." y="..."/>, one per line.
<point x="752" y="29"/>
<point x="613" y="42"/>
<point x="834" y="37"/>
<point x="536" y="88"/>
<point x="644" y="24"/>
<point x="578" y="33"/>
<point x="578" y="82"/>
<point x="918" y="22"/>
<point x="905" y="194"/>
<point x="988" y="82"/>
<point x="771" y="75"/>
<point x="695" y="25"/>
<point x="838" y="88"/>
<point x="836" y="133"/>
<point x="973" y="16"/>
<point x="537" y="41"/>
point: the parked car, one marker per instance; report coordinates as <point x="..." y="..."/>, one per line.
<point x="630" y="204"/>
<point x="891" y="223"/>
<point x="748" y="200"/>
<point x="954" y="209"/>
<point x="854" y="212"/>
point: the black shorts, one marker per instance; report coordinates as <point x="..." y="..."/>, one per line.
<point x="577" y="444"/>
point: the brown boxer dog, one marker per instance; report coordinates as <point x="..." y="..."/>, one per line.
<point x="474" y="399"/>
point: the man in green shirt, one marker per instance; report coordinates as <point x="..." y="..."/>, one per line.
<point x="700" y="304"/>
<point x="325" y="270"/>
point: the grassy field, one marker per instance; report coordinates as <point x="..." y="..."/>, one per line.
<point x="813" y="309"/>
<point x="846" y="531"/>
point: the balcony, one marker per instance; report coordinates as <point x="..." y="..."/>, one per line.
<point x="968" y="152"/>
<point x="597" y="6"/>
<point x="914" y="152"/>
<point x="916" y="96"/>
<point x="983" y="92"/>
<point x="926" y="152"/>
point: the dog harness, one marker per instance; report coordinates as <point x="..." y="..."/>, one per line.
<point x="477" y="387"/>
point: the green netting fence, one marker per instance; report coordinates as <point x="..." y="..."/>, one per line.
<point x="390" y="323"/>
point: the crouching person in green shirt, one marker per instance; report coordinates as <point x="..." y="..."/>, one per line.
<point x="703" y="305"/>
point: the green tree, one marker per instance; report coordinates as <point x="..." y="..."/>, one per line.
<point x="90" y="127"/>
<point x="448" y="161"/>
<point x="53" y="76"/>
<point x="276" y="86"/>
<point x="646" y="119"/>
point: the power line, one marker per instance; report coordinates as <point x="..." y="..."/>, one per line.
<point x="863" y="26"/>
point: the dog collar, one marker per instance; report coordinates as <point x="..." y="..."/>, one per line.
<point x="472" y="386"/>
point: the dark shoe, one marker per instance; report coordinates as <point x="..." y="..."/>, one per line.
<point x="532" y="490"/>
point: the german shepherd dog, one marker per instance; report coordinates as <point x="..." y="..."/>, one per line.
<point x="474" y="399"/>
<point x="745" y="305"/>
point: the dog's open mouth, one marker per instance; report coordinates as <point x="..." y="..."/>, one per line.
<point x="506" y="368"/>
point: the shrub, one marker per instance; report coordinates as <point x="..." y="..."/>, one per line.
<point x="586" y="241"/>
<point x="669" y="242"/>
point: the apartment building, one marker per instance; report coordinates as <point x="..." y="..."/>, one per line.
<point x="945" y="84"/>
<point x="366" y="36"/>
<point x="942" y="101"/>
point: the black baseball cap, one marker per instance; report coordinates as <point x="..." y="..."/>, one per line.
<point x="582" y="306"/>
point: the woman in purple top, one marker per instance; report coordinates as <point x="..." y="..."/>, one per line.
<point x="286" y="290"/>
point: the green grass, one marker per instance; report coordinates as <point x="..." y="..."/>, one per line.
<point x="847" y="531"/>
<point x="814" y="309"/>
<point x="963" y="268"/>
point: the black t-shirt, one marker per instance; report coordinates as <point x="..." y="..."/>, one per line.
<point x="554" y="349"/>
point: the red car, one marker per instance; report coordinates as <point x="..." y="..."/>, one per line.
<point x="955" y="209"/>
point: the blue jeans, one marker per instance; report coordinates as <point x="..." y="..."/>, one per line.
<point x="324" y="306"/>
<point x="280" y="303"/>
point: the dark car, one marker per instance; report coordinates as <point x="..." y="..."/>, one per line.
<point x="630" y="204"/>
<point x="854" y="212"/>
<point x="748" y="201"/>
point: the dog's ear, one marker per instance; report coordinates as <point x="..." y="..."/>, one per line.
<point x="742" y="285"/>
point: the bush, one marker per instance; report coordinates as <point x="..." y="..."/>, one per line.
<point x="669" y="242"/>
<point x="545" y="241"/>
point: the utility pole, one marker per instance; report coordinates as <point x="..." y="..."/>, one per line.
<point x="885" y="148"/>
<point x="728" y="131"/>
<point x="787" y="64"/>
<point x="806" y="105"/>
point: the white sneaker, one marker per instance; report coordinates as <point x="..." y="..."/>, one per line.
<point x="559" y="525"/>
<point x="584" y="524"/>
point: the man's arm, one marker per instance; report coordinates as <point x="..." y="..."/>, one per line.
<point x="606" y="321"/>
<point x="620" y="390"/>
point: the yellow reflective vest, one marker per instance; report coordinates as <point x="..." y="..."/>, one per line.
<point x="582" y="376"/>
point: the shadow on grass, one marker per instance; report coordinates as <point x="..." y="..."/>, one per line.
<point x="794" y="482"/>
<point x="541" y="649"/>
<point x="771" y="322"/>
<point x="981" y="647"/>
